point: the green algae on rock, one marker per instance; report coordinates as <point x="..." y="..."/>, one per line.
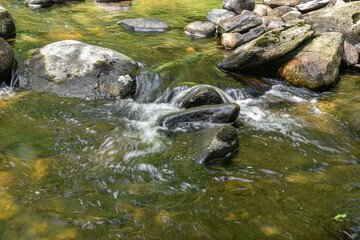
<point x="316" y="64"/>
<point x="267" y="47"/>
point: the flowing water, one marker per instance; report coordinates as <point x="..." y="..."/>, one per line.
<point x="104" y="169"/>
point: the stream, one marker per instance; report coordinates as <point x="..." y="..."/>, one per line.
<point x="105" y="169"/>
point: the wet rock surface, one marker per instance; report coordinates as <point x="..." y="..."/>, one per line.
<point x="312" y="5"/>
<point x="238" y="6"/>
<point x="267" y="47"/>
<point x="210" y="145"/>
<point x="7" y="61"/>
<point x="144" y="25"/>
<point x="201" y="29"/>
<point x="316" y="64"/>
<point x="198" y="96"/>
<point x="240" y="23"/>
<point x="201" y="117"/>
<point x="7" y="25"/>
<point x="218" y="15"/>
<point x="75" y="69"/>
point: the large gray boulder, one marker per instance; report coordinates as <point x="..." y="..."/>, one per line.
<point x="238" y="6"/>
<point x="7" y="61"/>
<point x="144" y="25"/>
<point x="342" y="18"/>
<point x="315" y="65"/>
<point x="240" y="23"/>
<point x="218" y="15"/>
<point x="207" y="146"/>
<point x="202" y="117"/>
<point x="7" y="25"/>
<point x="267" y="47"/>
<point x="74" y="69"/>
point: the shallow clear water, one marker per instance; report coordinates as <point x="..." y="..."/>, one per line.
<point x="76" y="169"/>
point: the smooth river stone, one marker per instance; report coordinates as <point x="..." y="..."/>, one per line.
<point x="201" y="29"/>
<point x="312" y="5"/>
<point x="238" y="6"/>
<point x="7" y="25"/>
<point x="144" y="25"/>
<point x="278" y="3"/>
<point x="218" y="15"/>
<point x="240" y="23"/>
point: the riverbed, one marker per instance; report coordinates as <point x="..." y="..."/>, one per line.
<point x="104" y="169"/>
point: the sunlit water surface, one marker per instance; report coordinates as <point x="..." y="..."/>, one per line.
<point x="76" y="169"/>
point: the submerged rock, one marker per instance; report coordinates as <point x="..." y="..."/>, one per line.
<point x="7" y="61"/>
<point x="75" y="69"/>
<point x="198" y="96"/>
<point x="35" y="4"/>
<point x="218" y="15"/>
<point x="144" y="25"/>
<point x="201" y="29"/>
<point x="267" y="47"/>
<point x="312" y="5"/>
<point x="240" y="23"/>
<point x="315" y="65"/>
<point x="209" y="145"/>
<point x="113" y="5"/>
<point x="202" y="117"/>
<point x="344" y="18"/>
<point x="7" y="25"/>
<point x="238" y="6"/>
<point x="351" y="55"/>
<point x="278" y="3"/>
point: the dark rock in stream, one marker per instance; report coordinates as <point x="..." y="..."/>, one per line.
<point x="315" y="65"/>
<point x="201" y="29"/>
<point x="144" y="25"/>
<point x="202" y="117"/>
<point x="267" y="47"/>
<point x="7" y="25"/>
<point x="7" y="61"/>
<point x="207" y="146"/>
<point x="75" y="69"/>
<point x="198" y="96"/>
<point x="35" y="4"/>
<point x="238" y="6"/>
<point x="343" y="18"/>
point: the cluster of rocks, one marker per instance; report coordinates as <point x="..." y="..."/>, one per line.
<point x="295" y="40"/>
<point x="207" y="119"/>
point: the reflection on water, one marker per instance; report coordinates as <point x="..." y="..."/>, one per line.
<point x="76" y="169"/>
